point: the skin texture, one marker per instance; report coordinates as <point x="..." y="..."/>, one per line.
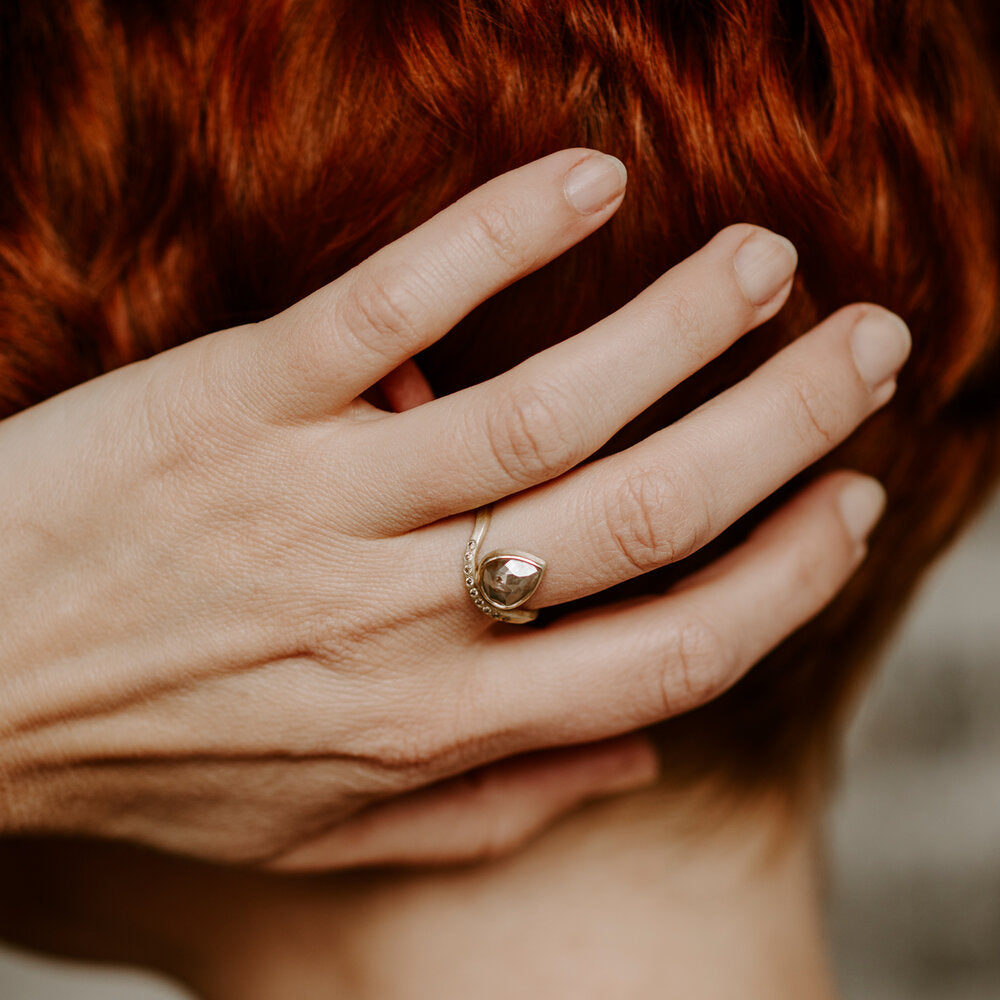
<point x="226" y="645"/>
<point x="653" y="894"/>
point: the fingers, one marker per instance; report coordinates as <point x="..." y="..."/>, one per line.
<point x="479" y="815"/>
<point x="405" y="387"/>
<point x="602" y="672"/>
<point x="535" y="422"/>
<point x="328" y="348"/>
<point x="664" y="498"/>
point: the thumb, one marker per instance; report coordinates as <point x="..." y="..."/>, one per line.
<point x="486" y="813"/>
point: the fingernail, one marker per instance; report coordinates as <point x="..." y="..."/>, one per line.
<point x="861" y="504"/>
<point x="595" y="182"/>
<point x="880" y="343"/>
<point x="764" y="263"/>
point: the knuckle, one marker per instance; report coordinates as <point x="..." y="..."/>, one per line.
<point x="182" y="417"/>
<point x="697" y="664"/>
<point x="160" y="422"/>
<point x="381" y="314"/>
<point x="813" y="411"/>
<point x="495" y="230"/>
<point x="532" y="435"/>
<point x="636" y="526"/>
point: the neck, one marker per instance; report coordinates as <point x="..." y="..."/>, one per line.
<point x="617" y="901"/>
<point x="650" y="895"/>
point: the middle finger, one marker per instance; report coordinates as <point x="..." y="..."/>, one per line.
<point x="534" y="422"/>
<point x="664" y="498"/>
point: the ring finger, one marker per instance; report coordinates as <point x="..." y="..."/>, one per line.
<point x="665" y="497"/>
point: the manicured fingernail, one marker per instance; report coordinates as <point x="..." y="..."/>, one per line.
<point x="764" y="263"/>
<point x="861" y="504"/>
<point x="880" y="343"/>
<point x="595" y="182"/>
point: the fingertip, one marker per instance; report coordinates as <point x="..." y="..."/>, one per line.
<point x="861" y="502"/>
<point x="765" y="265"/>
<point x="595" y="183"/>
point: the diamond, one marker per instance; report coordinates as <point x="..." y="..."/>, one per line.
<point x="507" y="581"/>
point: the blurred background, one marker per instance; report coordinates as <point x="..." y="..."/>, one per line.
<point x="916" y="829"/>
<point x="915" y="832"/>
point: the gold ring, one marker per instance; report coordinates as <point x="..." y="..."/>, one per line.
<point x="500" y="582"/>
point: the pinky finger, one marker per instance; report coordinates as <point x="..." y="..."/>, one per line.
<point x="484" y="814"/>
<point x="600" y="673"/>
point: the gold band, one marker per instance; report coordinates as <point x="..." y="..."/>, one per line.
<point x="501" y="581"/>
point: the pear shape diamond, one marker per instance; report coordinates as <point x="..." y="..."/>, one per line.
<point x="507" y="580"/>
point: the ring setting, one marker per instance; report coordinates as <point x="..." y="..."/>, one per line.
<point x="503" y="580"/>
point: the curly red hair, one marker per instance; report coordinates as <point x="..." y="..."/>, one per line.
<point x="168" y="170"/>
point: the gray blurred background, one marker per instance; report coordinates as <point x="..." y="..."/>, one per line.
<point x="915" y="907"/>
<point x="916" y="831"/>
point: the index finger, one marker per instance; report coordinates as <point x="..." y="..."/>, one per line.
<point x="325" y="350"/>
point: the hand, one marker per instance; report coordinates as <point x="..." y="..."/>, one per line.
<point x="233" y="610"/>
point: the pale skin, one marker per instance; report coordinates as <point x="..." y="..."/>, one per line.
<point x="234" y="615"/>
<point x="654" y="894"/>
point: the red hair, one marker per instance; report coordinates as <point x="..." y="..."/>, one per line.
<point x="172" y="170"/>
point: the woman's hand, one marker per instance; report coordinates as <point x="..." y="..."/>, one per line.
<point x="231" y="591"/>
